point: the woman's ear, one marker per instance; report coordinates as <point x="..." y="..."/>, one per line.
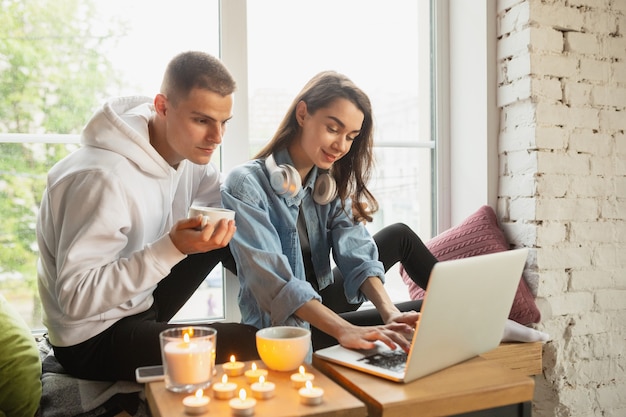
<point x="301" y="112"/>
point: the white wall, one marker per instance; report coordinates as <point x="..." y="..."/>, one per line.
<point x="562" y="163"/>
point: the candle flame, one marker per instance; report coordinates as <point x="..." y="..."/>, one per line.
<point x="301" y="370"/>
<point x="232" y="358"/>
<point x="186" y="337"/>
<point x="253" y="366"/>
<point x="308" y="385"/>
<point x="199" y="393"/>
<point x="242" y="394"/>
<point x="262" y="380"/>
<point x="224" y="379"/>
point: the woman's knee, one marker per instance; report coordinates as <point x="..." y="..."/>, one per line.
<point x="395" y="231"/>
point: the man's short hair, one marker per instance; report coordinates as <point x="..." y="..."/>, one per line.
<point x="194" y="69"/>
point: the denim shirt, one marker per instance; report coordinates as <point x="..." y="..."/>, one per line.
<point x="266" y="246"/>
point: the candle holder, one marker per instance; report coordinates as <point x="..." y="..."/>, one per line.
<point x="310" y="395"/>
<point x="188" y="357"/>
<point x="233" y="368"/>
<point x="224" y="390"/>
<point x="196" y="404"/>
<point x="253" y="374"/>
<point x="299" y="379"/>
<point x="242" y="406"/>
<point x="263" y="389"/>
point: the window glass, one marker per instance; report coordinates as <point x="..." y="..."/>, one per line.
<point x="150" y="33"/>
<point x="58" y="60"/>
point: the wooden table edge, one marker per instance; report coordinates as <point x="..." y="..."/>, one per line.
<point x="520" y="389"/>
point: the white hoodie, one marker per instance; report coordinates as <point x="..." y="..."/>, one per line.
<point x="104" y="220"/>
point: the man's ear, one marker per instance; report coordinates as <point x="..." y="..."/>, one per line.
<point x="161" y="104"/>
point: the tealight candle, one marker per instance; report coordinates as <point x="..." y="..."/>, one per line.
<point x="299" y="379"/>
<point x="263" y="389"/>
<point x="242" y="406"/>
<point x="233" y="368"/>
<point x="253" y="374"/>
<point x="224" y="390"/>
<point x="196" y="404"/>
<point x="310" y="395"/>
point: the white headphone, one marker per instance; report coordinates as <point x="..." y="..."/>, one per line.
<point x="286" y="180"/>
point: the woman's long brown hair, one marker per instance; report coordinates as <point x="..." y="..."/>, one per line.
<point x="353" y="171"/>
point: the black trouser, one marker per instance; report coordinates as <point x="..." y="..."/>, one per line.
<point x="134" y="341"/>
<point x="396" y="243"/>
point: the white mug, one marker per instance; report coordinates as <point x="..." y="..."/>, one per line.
<point x="211" y="214"/>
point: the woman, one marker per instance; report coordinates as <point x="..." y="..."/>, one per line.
<point x="304" y="196"/>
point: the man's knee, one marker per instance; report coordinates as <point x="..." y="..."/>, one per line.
<point x="235" y="339"/>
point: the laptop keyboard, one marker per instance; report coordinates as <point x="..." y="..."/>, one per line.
<point x="394" y="360"/>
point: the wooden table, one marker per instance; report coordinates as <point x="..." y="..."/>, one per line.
<point x="523" y="358"/>
<point x="463" y="389"/>
<point x="285" y="403"/>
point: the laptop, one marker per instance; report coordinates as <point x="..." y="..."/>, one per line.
<point x="463" y="315"/>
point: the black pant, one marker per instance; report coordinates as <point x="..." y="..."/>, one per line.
<point x="396" y="243"/>
<point x="134" y="341"/>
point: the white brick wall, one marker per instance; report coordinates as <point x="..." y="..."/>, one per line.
<point x="562" y="190"/>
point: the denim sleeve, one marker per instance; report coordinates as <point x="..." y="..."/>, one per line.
<point x="355" y="254"/>
<point x="270" y="291"/>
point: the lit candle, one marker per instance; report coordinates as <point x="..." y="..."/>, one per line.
<point x="196" y="404"/>
<point x="242" y="406"/>
<point x="188" y="362"/>
<point x="233" y="368"/>
<point x="224" y="390"/>
<point x="253" y="374"/>
<point x="301" y="377"/>
<point x="311" y="395"/>
<point x="263" y="389"/>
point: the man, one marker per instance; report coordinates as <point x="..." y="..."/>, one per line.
<point x="118" y="257"/>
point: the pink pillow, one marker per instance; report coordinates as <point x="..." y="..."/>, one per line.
<point x="476" y="235"/>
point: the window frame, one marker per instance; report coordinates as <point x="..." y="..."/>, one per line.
<point x="233" y="52"/>
<point x="467" y="122"/>
<point x="466" y="169"/>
